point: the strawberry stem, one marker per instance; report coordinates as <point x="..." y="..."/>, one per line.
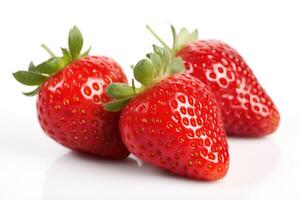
<point x="48" y="50"/>
<point x="158" y="38"/>
<point x="133" y="86"/>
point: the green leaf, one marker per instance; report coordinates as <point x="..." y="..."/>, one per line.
<point x="31" y="66"/>
<point x="116" y="105"/>
<point x="132" y="67"/>
<point x="75" y="42"/>
<point x="155" y="59"/>
<point x="29" y="78"/>
<point x="50" y="66"/>
<point x="32" y="93"/>
<point x="158" y="52"/>
<point x="194" y="35"/>
<point x="66" y="56"/>
<point x="86" y="53"/>
<point x="144" y="72"/>
<point x="177" y="66"/>
<point x="174" y="34"/>
<point x="119" y="90"/>
<point x="166" y="59"/>
<point x="162" y="60"/>
<point x="179" y="40"/>
<point x="182" y="38"/>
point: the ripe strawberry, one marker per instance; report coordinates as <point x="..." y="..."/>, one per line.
<point x="246" y="108"/>
<point x="173" y="120"/>
<point x="71" y="97"/>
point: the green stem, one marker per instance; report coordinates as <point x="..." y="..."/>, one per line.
<point x="133" y="86"/>
<point x="173" y="52"/>
<point x="158" y="38"/>
<point x="48" y="50"/>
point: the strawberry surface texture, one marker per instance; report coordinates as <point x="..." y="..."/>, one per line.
<point x="177" y="125"/>
<point x="71" y="95"/>
<point x="246" y="108"/>
<point x="172" y="120"/>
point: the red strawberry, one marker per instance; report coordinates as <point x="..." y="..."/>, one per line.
<point x="173" y="120"/>
<point x="71" y="97"/>
<point x="246" y="108"/>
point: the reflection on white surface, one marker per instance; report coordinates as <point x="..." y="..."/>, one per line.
<point x="78" y="176"/>
<point x="251" y="160"/>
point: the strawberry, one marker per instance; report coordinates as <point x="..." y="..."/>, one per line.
<point x="71" y="96"/>
<point x="172" y="121"/>
<point x="246" y="108"/>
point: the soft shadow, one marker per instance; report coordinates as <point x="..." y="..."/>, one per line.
<point x="78" y="176"/>
<point x="251" y="160"/>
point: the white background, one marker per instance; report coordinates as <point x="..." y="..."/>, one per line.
<point x="32" y="166"/>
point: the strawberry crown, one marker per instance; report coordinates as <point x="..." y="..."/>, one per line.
<point x="180" y="39"/>
<point x="158" y="65"/>
<point x="37" y="74"/>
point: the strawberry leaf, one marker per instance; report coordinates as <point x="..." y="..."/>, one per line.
<point x="29" y="78"/>
<point x="31" y="66"/>
<point x="177" y="66"/>
<point x="36" y="75"/>
<point x="75" y="42"/>
<point x="86" y="53"/>
<point x="116" y="105"/>
<point x="144" y="72"/>
<point x="32" y="93"/>
<point x="164" y="63"/>
<point x="182" y="38"/>
<point x="158" y="65"/>
<point x="155" y="59"/>
<point x="120" y="90"/>
<point x="66" y="55"/>
<point x="179" y="40"/>
<point x="50" y="66"/>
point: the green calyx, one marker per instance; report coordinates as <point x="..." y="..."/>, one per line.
<point x="179" y="39"/>
<point x="35" y="75"/>
<point x="158" y="65"/>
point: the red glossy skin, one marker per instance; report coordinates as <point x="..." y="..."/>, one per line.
<point x="177" y="125"/>
<point x="70" y="107"/>
<point x="246" y="108"/>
